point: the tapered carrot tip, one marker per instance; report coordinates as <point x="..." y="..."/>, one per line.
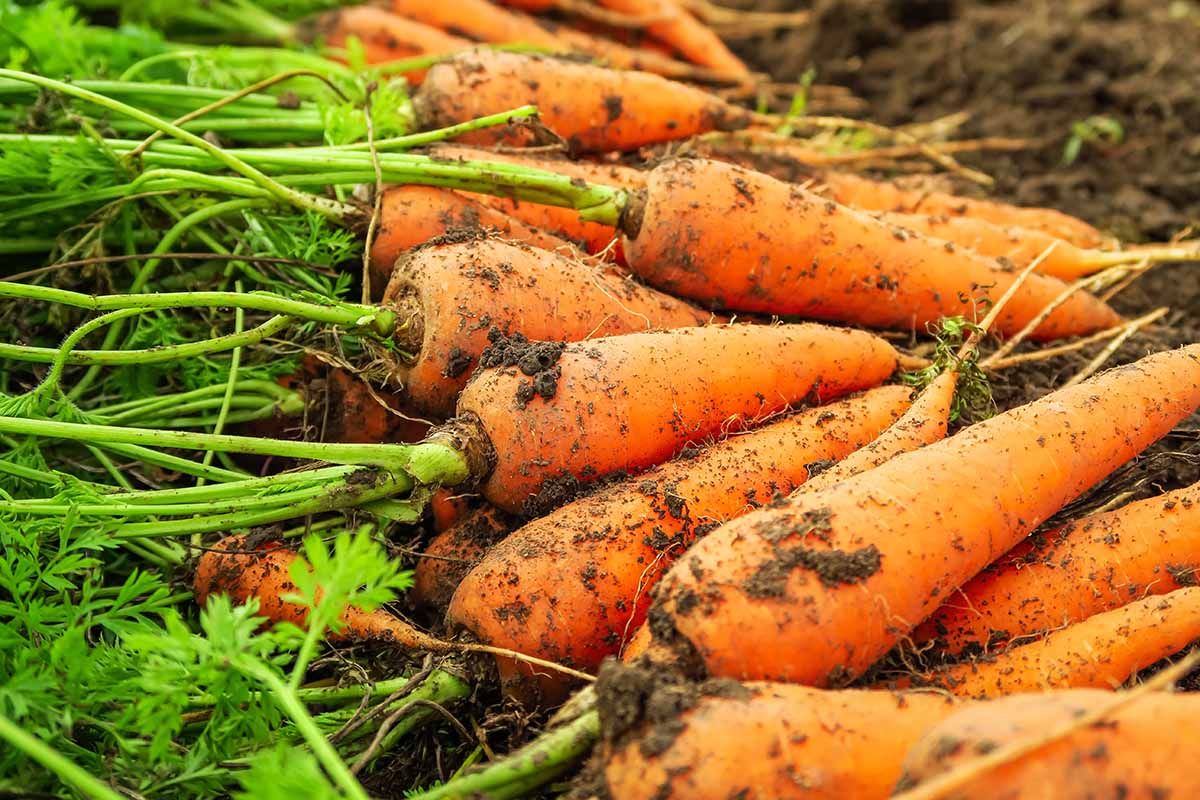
<point x="835" y="578"/>
<point x="739" y="239"/>
<point x="723" y="739"/>
<point x="1138" y="750"/>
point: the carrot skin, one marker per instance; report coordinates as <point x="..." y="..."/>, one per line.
<point x="454" y="295"/>
<point x="1092" y="565"/>
<point x="386" y="36"/>
<point x="574" y="584"/>
<point x="454" y="552"/>
<point x="676" y="27"/>
<point x="594" y="109"/>
<point x="1137" y="752"/>
<point x="774" y="741"/>
<point x="630" y="402"/>
<point x="742" y="240"/>
<point x="833" y="579"/>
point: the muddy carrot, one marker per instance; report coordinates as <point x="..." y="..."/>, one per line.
<point x="412" y="215"/>
<point x="743" y="240"/>
<point x="572" y="586"/>
<point x="594" y="109"/>
<point x="671" y="24"/>
<point x="568" y="415"/>
<point x="454" y="552"/>
<point x="386" y="37"/>
<point x="1135" y="752"/>
<point x="870" y="195"/>
<point x="1094" y="564"/>
<point x="770" y="740"/>
<point x="460" y="299"/>
<point x="1102" y="651"/>
<point x="816" y="589"/>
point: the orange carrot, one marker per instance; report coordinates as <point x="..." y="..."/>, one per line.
<point x="770" y="741"/>
<point x="592" y="108"/>
<point x="386" y="37"/>
<point x="743" y="240"/>
<point x="1101" y="652"/>
<point x="817" y="588"/>
<point x="672" y="24"/>
<point x="1094" y="564"/>
<point x="453" y="553"/>
<point x="459" y="298"/>
<point x="448" y="507"/>
<point x="572" y="586"/>
<point x="870" y="195"/>
<point x="630" y="402"/>
<point x="411" y="215"/>
<point x="1138" y="751"/>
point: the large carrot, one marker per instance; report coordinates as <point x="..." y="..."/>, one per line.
<point x="411" y="215"/>
<point x="818" y="588"/>
<point x="770" y="741"/>
<point x="630" y="402"/>
<point x="1101" y="652"/>
<point x="1137" y="751"/>
<point x="1094" y="564"/>
<point x="871" y="195"/>
<point x="458" y="299"/>
<point x="454" y="552"/>
<point x="592" y="108"/>
<point x="386" y="37"/>
<point x="743" y="240"/>
<point x="571" y="587"/>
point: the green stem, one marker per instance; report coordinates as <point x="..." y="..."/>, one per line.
<point x="66" y="770"/>
<point x="144" y="404"/>
<point x="59" y="361"/>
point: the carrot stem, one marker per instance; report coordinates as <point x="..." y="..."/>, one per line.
<point x="67" y="771"/>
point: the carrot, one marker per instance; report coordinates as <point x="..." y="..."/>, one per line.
<point x="459" y="298"/>
<point x="871" y="195"/>
<point x="448" y="507"/>
<point x="743" y="240"/>
<point x="816" y="589"/>
<point x="451" y="554"/>
<point x="1092" y="565"/>
<point x="771" y="740"/>
<point x="386" y="37"/>
<point x="1102" y="651"/>
<point x="411" y="215"/>
<point x="487" y="22"/>
<point x="630" y="402"/>
<point x="672" y="24"/>
<point x="924" y="423"/>
<point x="594" y="109"/>
<point x="1136" y="752"/>
<point x="572" y="586"/>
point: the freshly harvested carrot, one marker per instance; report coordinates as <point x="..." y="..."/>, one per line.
<point x="1137" y="751"/>
<point x="571" y="587"/>
<point x="594" y="109"/>
<point x="461" y="298"/>
<point x="817" y="588"/>
<point x="411" y="215"/>
<point x="672" y="24"/>
<point x="256" y="566"/>
<point x="1094" y="564"/>
<point x="454" y="552"/>
<point x="1100" y="652"/>
<point x="448" y="507"/>
<point x="629" y="402"/>
<point x="386" y="36"/>
<point x="924" y="423"/>
<point x="771" y="741"/>
<point x="743" y="240"/>
<point x="486" y="22"/>
<point x="870" y="195"/>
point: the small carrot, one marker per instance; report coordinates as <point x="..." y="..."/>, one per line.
<point x="457" y="299"/>
<point x="771" y="741"/>
<point x="671" y="24"/>
<point x="1101" y="652"/>
<point x="870" y="195"/>
<point x="817" y="588"/>
<point x="386" y="37"/>
<point x="1092" y="565"/>
<point x="570" y="587"/>
<point x="453" y="553"/>
<point x="629" y="402"/>
<point x="1136" y="751"/>
<point x="594" y="109"/>
<point x="448" y="507"/>
<point x="411" y="215"/>
<point x="742" y="240"/>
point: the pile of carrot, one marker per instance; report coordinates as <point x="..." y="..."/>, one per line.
<point x="663" y="474"/>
